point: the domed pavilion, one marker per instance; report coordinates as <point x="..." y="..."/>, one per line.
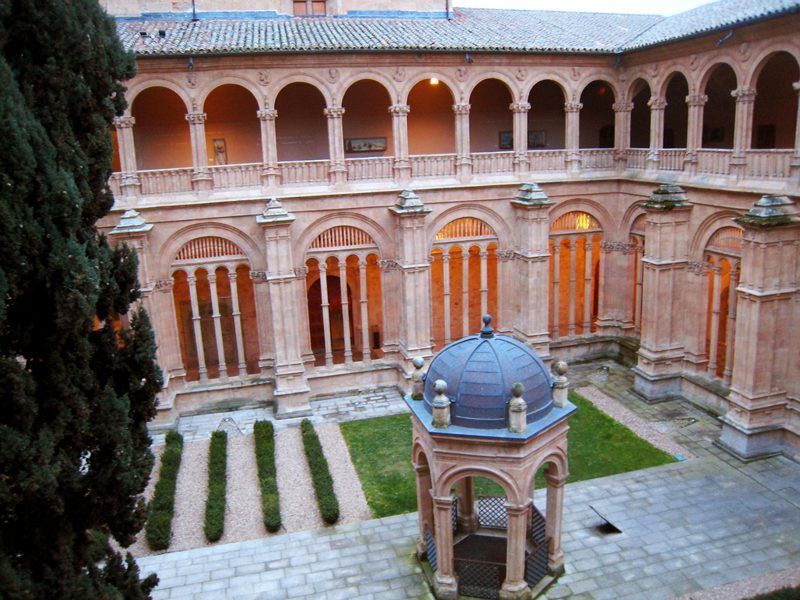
<point x="488" y="407"/>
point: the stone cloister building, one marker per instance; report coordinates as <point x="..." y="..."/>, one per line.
<point x="318" y="199"/>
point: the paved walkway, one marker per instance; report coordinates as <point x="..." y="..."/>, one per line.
<point x="686" y="526"/>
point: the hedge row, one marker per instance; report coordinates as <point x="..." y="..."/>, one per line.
<point x="267" y="475"/>
<point x="320" y="474"/>
<point x="217" y="480"/>
<point x="159" y="521"/>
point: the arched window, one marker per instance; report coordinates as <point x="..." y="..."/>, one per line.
<point x="575" y="239"/>
<point x="464" y="279"/>
<point x="431" y="124"/>
<point x="215" y="310"/>
<point x="367" y="124"/>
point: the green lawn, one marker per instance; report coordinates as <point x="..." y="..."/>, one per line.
<point x="381" y="452"/>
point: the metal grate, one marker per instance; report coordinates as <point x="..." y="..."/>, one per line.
<point x="536" y="561"/>
<point x="479" y="579"/>
<point x="727" y="238"/>
<point x="430" y="546"/>
<point x="208" y="247"/>
<point x="537" y="526"/>
<point x="465" y="227"/>
<point x="492" y="512"/>
<point x="342" y="236"/>
<point x="454" y="513"/>
<point x="575" y="221"/>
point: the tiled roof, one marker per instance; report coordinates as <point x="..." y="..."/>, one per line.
<point x="470" y="30"/>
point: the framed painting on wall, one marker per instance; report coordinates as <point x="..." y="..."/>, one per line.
<point x="537" y="138"/>
<point x="375" y="144"/>
<point x="506" y="141"/>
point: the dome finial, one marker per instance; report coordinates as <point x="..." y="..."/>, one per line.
<point x="487" y="332"/>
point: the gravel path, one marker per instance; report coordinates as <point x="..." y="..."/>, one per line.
<point x="635" y="423"/>
<point x="140" y="547"/>
<point x="353" y="506"/>
<point x="747" y="588"/>
<point x="190" y="497"/>
<point x="243" y="503"/>
<point x="298" y="504"/>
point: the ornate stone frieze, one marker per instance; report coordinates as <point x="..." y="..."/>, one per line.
<point x="267" y="114"/>
<point x="124" y="122"/>
<point x="519" y="107"/>
<point x="162" y="285"/>
<point x="334" y="112"/>
<point x="196" y="118"/>
<point x="258" y="276"/>
<point x="504" y="255"/>
<point x="301" y="271"/>
<point x="696" y="99"/>
<point x="697" y="267"/>
<point x="623" y="247"/>
<point x="572" y="107"/>
<point x="388" y="264"/>
<point x="622" y="106"/>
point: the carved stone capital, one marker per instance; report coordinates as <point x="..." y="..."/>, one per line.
<point x="657" y="103"/>
<point x="196" y="118"/>
<point x="744" y="95"/>
<point x="267" y="114"/>
<point x="696" y="99"/>
<point x="697" y="268"/>
<point x="399" y="109"/>
<point x="504" y="255"/>
<point x="519" y="107"/>
<point x="124" y="122"/>
<point x="334" y="112"/>
<point x="622" y="106"/>
<point x="572" y="107"/>
<point x="461" y="109"/>
<point x="258" y="276"/>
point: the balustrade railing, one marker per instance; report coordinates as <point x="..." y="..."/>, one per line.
<point x="115" y="184"/>
<point x="714" y="162"/>
<point x="547" y="160"/>
<point x="361" y="169"/>
<point x="597" y="158"/>
<point x="671" y="159"/>
<point x="304" y="171"/>
<point x="769" y="163"/>
<point x="433" y="165"/>
<point x="636" y="158"/>
<point x="166" y="181"/>
<point x="236" y="176"/>
<point x="492" y="162"/>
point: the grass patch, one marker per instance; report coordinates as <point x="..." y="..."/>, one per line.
<point x="162" y="505"/>
<point x="217" y="482"/>
<point x="267" y="474"/>
<point x="320" y="474"/>
<point x="381" y="452"/>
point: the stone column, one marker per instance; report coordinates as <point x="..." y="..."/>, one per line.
<point x="587" y="288"/>
<point x="338" y="169"/>
<point x="731" y="328"/>
<point x="515" y="587"/>
<point x="520" y="127"/>
<point x="531" y="267"/>
<point x="348" y="350"/>
<point x="412" y="261"/>
<point x="467" y="517"/>
<point x="795" y="164"/>
<point x="622" y="132"/>
<point x="362" y="282"/>
<point x="130" y="184"/>
<point x="465" y="291"/>
<point x="694" y="131"/>
<point x="233" y="276"/>
<point x="326" y="313"/>
<point x="291" y="387"/>
<point x="201" y="177"/>
<point x="694" y="316"/>
<point x="446" y="283"/>
<point x="573" y="263"/>
<point x="714" y="325"/>
<point x="657" y="373"/>
<point x="484" y="256"/>
<point x="657" y="106"/>
<point x="402" y="165"/>
<point x="637" y="308"/>
<point x="573" y="132"/>
<point x="198" y="332"/>
<point x="463" y="155"/>
<point x="444" y="580"/>
<point x="743" y="129"/>
<point x="270" y="172"/>
<point x="424" y="501"/>
<point x="553" y="522"/>
<point x="216" y="316"/>
<point x="766" y="330"/>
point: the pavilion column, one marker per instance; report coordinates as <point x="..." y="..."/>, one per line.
<point x="622" y="132"/>
<point x="520" y="127"/>
<point x="270" y="172"/>
<point x="657" y="106"/>
<point x="695" y="314"/>
<point x="448" y="336"/>
<point x="742" y="129"/>
<point x="587" y="288"/>
<point x="465" y="291"/>
<point x="201" y="176"/>
<point x="795" y="163"/>
<point x="484" y="256"/>
<point x="556" y="285"/>
<point x="444" y="580"/>
<point x="637" y="308"/>
<point x="658" y="370"/>
<point x="467" y="517"/>
<point x="215" y="315"/>
<point x="573" y="110"/>
<point x="348" y="350"/>
<point x="326" y="313"/>
<point x="515" y="587"/>
<point x="338" y="169"/>
<point x="362" y="284"/>
<point x="402" y="165"/>
<point x="573" y="264"/>
<point x="730" y="330"/>
<point x="694" y="131"/>
<point x="463" y="156"/>
<point x="237" y="321"/>
<point x="714" y="325"/>
<point x="130" y="184"/>
<point x="198" y="332"/>
<point x="291" y="387"/>
<point x="764" y="367"/>
<point x="553" y="522"/>
<point x="412" y="262"/>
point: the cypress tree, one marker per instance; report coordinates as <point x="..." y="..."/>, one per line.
<point x="77" y="372"/>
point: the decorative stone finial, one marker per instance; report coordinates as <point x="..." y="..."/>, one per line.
<point x="666" y="197"/>
<point x="560" y="384"/>
<point x="274" y="213"/>
<point x="517" y="410"/>
<point x="441" y="405"/>
<point x="770" y="211"/>
<point x="409" y="203"/>
<point x="530" y="194"/>
<point x="486" y="331"/>
<point x="131" y="222"/>
<point x="417" y="378"/>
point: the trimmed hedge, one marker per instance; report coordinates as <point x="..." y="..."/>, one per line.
<point x="267" y="475"/>
<point x="320" y="474"/>
<point x="162" y="506"/>
<point x="217" y="481"/>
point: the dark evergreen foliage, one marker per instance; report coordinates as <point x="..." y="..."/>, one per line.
<point x="320" y="474"/>
<point x="162" y="505"/>
<point x="217" y="484"/>
<point x="267" y="474"/>
<point x="74" y="454"/>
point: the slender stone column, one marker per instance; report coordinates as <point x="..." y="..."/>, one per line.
<point x="484" y="255"/>
<point x="587" y="288"/>
<point x="237" y="321"/>
<point x="694" y="131"/>
<point x="556" y="287"/>
<point x="520" y="127"/>
<point x="730" y="330"/>
<point x="530" y="267"/>
<point x="348" y="350"/>
<point x="657" y="373"/>
<point x="467" y="517"/>
<point x="198" y="332"/>
<point x="657" y="106"/>
<point x="444" y="580"/>
<point x="622" y="132"/>
<point x="795" y="164"/>
<point x="553" y="522"/>
<point x="215" y="315"/>
<point x="338" y="169"/>
<point x="463" y="156"/>
<point x="515" y="587"/>
<point x="402" y="165"/>
<point x="130" y="184"/>
<point x="362" y="275"/>
<point x="424" y="501"/>
<point x="573" y="264"/>
<point x="201" y="177"/>
<point x="326" y="313"/>
<point x="714" y="325"/>
<point x="743" y="129"/>
<point x="270" y="172"/>
<point x="639" y="278"/>
<point x="465" y="291"/>
<point x="573" y="132"/>
<point x="446" y="282"/>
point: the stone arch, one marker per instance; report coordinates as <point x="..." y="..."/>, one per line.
<point x="218" y="82"/>
<point x="592" y="207"/>
<point x="708" y="71"/>
<point x="633" y="212"/>
<point x="378" y="234"/>
<point x="490" y="217"/>
<point x="629" y="90"/>
<point x="640" y="93"/>
<point x="760" y="60"/>
<point x="706" y="229"/>
<point x="664" y="82"/>
<point x="558" y="458"/>
<point x="419" y="451"/>
<point x="137" y="88"/>
<point x="597" y="77"/>
<point x="376" y="76"/>
<point x="284" y="82"/>
<point x="446" y="480"/>
<point x="553" y="76"/>
<point x="471" y="84"/>
<point x="443" y="79"/>
<point x="169" y="249"/>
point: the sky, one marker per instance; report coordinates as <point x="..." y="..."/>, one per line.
<point x="616" y="6"/>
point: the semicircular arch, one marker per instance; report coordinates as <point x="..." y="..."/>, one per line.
<point x="385" y="82"/>
<point x="476" y="211"/>
<point x="450" y="477"/>
<point x="553" y="76"/>
<point x="378" y="234"/>
<point x="172" y="245"/>
<point x="137" y="88"/>
<point x="215" y="84"/>
<point x="471" y="84"/>
<point x="444" y="79"/>
<point x="707" y="228"/>
<point x="288" y="80"/>
<point x="593" y="208"/>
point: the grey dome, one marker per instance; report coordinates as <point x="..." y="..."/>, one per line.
<point x="479" y="371"/>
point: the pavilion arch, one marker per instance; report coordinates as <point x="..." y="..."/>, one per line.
<point x="760" y="60"/>
<point x="775" y="108"/>
<point x="705" y="230"/>
<point x="640" y="94"/>
<point x="597" y="119"/>
<point x="637" y="79"/>
<point x="449" y="478"/>
<point x="137" y="88"/>
<point x="707" y="70"/>
<point x="558" y="459"/>
<point x="218" y="82"/>
<point x="594" y="78"/>
<point x="172" y="245"/>
<point x="369" y="75"/>
<point x="674" y="70"/>
<point x="161" y="134"/>
<point x="233" y="132"/>
<point x="443" y="78"/>
<point x="380" y="237"/>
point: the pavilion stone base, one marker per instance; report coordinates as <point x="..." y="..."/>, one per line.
<point x="292" y="403"/>
<point x="656" y="388"/>
<point x="750" y="444"/>
<point x="521" y="593"/>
